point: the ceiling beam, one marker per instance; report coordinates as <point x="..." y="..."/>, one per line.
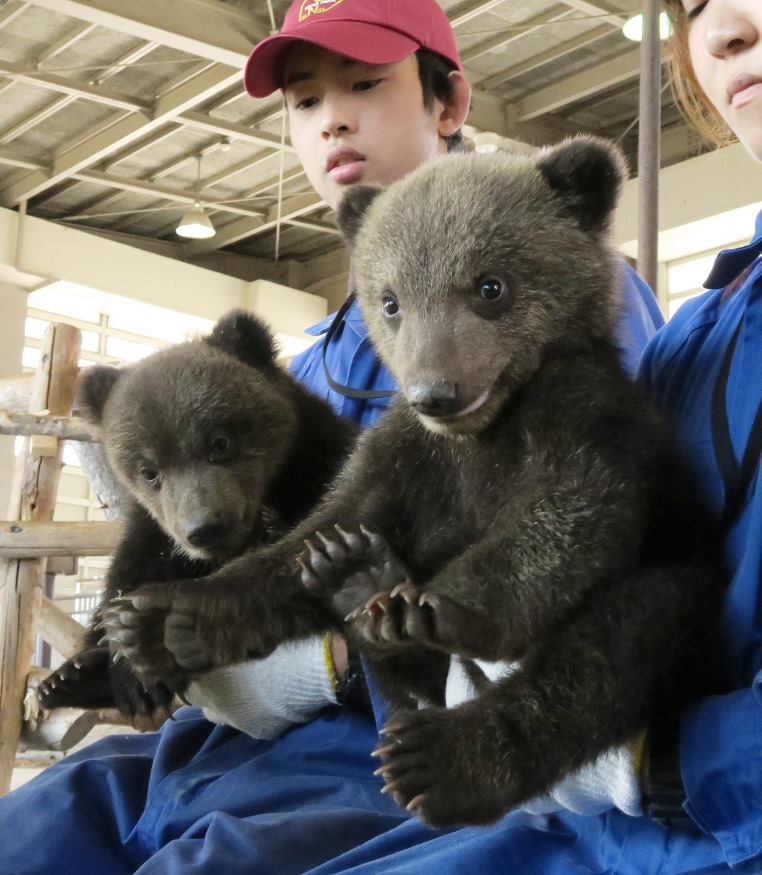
<point x="11" y="10"/>
<point x="140" y="186"/>
<point x="504" y="38"/>
<point x="546" y="57"/>
<point x="468" y="11"/>
<point x="63" y="85"/>
<point x="71" y="36"/>
<point x="322" y="227"/>
<point x="240" y="229"/>
<point x="120" y="132"/>
<point x="215" y="31"/>
<point x="579" y="86"/>
<point x="598" y="10"/>
<point x="55" y="105"/>
<point x="490" y="113"/>
<point x="14" y="158"/>
<point x="234" y="130"/>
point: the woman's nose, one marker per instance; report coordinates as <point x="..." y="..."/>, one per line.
<point x="729" y="28"/>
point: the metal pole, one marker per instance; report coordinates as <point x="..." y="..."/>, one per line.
<point x="648" y="144"/>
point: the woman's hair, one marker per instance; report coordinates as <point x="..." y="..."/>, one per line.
<point x="688" y="93"/>
<point x="434" y="73"/>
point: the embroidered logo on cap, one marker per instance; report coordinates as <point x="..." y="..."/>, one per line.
<point x="314" y="6"/>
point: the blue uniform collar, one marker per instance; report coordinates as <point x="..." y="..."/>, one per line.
<point x="731" y="262"/>
<point x="352" y="318"/>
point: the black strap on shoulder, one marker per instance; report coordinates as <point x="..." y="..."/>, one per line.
<point x="347" y="391"/>
<point x="737" y="479"/>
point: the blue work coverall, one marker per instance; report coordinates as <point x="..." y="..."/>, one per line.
<point x="201" y="798"/>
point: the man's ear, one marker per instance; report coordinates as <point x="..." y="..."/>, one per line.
<point x="245" y="337"/>
<point x="587" y="174"/>
<point x="94" y="384"/>
<point x="352" y="209"/>
<point x="456" y="107"/>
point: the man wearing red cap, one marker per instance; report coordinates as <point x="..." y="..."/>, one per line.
<point x="374" y="88"/>
<point x="373" y="31"/>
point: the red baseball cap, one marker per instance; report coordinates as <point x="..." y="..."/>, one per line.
<point x="372" y="31"/>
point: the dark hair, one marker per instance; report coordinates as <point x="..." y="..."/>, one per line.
<point x="434" y="73"/>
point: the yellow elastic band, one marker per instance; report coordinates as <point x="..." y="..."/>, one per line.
<point x="328" y="658"/>
<point x="639" y="760"/>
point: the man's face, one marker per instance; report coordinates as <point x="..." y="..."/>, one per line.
<point x="353" y="122"/>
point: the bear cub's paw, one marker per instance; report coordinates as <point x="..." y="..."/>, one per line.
<point x="169" y="633"/>
<point x="349" y="566"/>
<point x="136" y="627"/>
<point x="83" y="675"/>
<point x="441" y="765"/>
<point x="408" y="614"/>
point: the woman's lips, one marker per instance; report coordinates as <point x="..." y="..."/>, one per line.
<point x="743" y="89"/>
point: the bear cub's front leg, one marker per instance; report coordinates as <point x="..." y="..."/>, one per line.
<point x="361" y="573"/>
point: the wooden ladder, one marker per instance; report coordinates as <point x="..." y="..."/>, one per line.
<point x="38" y="406"/>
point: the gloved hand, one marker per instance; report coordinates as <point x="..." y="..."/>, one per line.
<point x="612" y="781"/>
<point x="265" y="697"/>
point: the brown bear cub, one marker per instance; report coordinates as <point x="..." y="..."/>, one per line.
<point x="521" y="500"/>
<point x="218" y="448"/>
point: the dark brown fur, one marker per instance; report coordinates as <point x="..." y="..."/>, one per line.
<point x="527" y="495"/>
<point x="205" y="436"/>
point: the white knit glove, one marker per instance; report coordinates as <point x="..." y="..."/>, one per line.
<point x="612" y="781"/>
<point x="265" y="697"/>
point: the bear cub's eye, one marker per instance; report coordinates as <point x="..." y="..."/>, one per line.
<point x="150" y="474"/>
<point x="390" y="305"/>
<point x="491" y="288"/>
<point x="219" y="447"/>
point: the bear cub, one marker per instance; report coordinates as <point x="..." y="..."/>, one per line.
<point x="218" y="449"/>
<point x="521" y="501"/>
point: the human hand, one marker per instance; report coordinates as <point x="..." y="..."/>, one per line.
<point x="614" y="780"/>
<point x="265" y="697"/>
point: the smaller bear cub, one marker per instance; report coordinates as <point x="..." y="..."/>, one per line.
<point x="216" y="446"/>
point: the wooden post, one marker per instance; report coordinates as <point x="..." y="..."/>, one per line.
<point x="35" y="493"/>
<point x="59" y="629"/>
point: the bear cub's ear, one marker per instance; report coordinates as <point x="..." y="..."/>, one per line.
<point x="352" y="209"/>
<point x="246" y="338"/>
<point x="94" y="385"/>
<point x="587" y="173"/>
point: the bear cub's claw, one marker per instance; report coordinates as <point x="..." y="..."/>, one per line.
<point x="430" y="766"/>
<point x="64" y="687"/>
<point x="349" y="566"/>
<point x="411" y="614"/>
<point x="135" y="630"/>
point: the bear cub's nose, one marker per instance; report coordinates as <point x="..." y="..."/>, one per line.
<point x="205" y="533"/>
<point x="434" y="397"/>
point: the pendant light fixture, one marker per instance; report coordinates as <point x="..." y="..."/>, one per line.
<point x="633" y="27"/>
<point x="195" y="224"/>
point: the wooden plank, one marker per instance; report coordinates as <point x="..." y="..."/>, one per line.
<point x="29" y="540"/>
<point x="70" y="427"/>
<point x="34" y="496"/>
<point x="59" y="629"/>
